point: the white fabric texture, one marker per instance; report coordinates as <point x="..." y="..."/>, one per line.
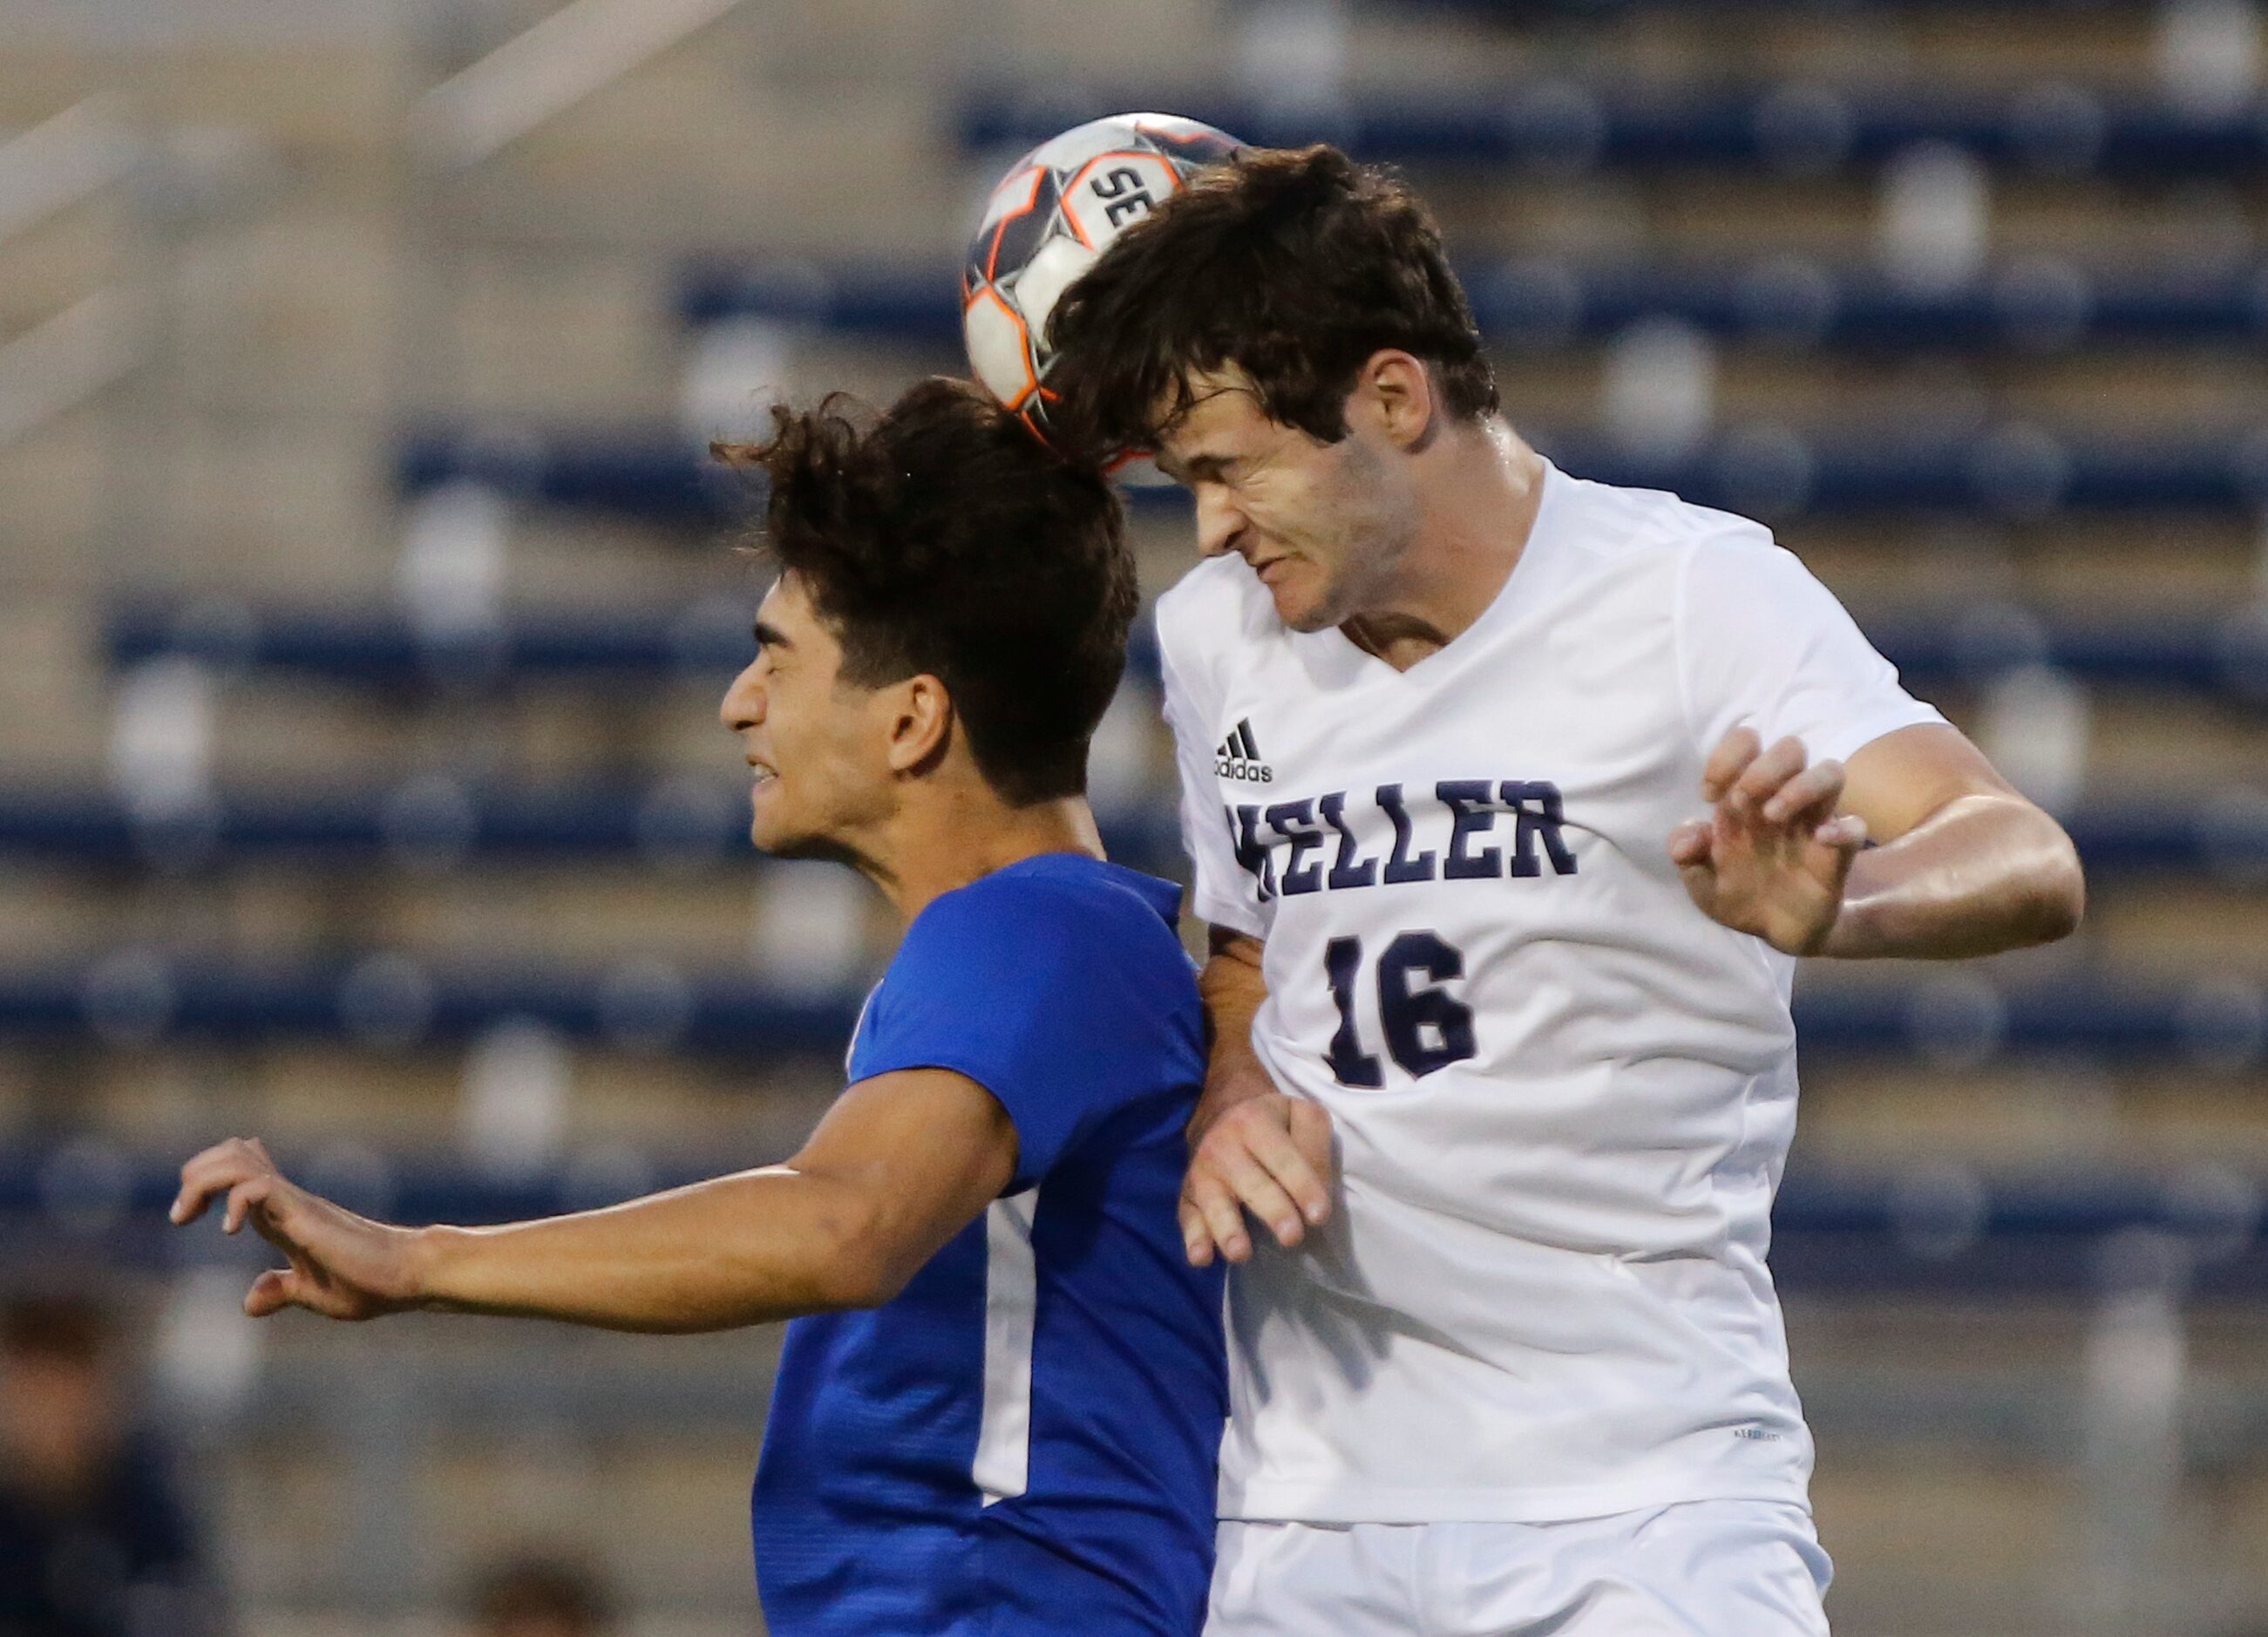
<point x="1702" y="1569"/>
<point x="1002" y="1467"/>
<point x="1563" y="1096"/>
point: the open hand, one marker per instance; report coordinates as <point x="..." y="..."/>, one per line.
<point x="1773" y="856"/>
<point x="342" y="1266"/>
<point x="1268" y="1154"/>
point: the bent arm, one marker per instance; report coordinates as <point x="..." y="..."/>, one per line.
<point x="1966" y="866"/>
<point x="1252" y="1147"/>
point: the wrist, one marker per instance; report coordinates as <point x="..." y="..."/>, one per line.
<point x="1227" y="1088"/>
<point x="427" y="1255"/>
<point x="1851" y="936"/>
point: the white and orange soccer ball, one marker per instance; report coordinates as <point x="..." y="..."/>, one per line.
<point x="1055" y="212"/>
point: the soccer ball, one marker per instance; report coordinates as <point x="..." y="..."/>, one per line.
<point x="1052" y="215"/>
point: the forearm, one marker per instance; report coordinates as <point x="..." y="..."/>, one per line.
<point x="747" y="1248"/>
<point x="1233" y="990"/>
<point x="1981" y="875"/>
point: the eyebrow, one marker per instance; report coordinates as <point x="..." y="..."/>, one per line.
<point x="769" y="635"/>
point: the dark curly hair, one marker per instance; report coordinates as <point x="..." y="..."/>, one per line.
<point x="1295" y="265"/>
<point x="942" y="538"/>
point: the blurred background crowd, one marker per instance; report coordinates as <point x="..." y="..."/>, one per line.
<point x="366" y="597"/>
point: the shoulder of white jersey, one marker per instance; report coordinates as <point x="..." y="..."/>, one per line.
<point x="1209" y="611"/>
<point x="1614" y="521"/>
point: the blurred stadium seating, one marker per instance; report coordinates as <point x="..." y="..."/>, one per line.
<point x="367" y="595"/>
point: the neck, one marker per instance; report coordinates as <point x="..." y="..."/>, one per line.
<point x="1476" y="507"/>
<point x="929" y="847"/>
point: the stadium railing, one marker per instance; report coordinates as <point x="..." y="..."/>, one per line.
<point x="2012" y="469"/>
<point x="2031" y="306"/>
<point x="391" y="1001"/>
<point x="1795" y="127"/>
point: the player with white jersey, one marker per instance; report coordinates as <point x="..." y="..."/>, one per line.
<point x="1511" y="799"/>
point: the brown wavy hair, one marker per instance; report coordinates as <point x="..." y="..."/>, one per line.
<point x="941" y="538"/>
<point x="1293" y="265"/>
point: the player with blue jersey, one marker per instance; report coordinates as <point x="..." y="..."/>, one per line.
<point x="1001" y="1393"/>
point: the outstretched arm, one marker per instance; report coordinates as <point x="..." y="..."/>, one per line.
<point x="1964" y="866"/>
<point x="900" y="1164"/>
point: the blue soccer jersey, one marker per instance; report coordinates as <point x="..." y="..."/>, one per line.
<point x="1024" y="1440"/>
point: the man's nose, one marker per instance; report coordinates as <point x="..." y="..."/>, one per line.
<point x="1220" y="521"/>
<point x="744" y="701"/>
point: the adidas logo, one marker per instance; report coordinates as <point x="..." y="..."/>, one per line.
<point x="1239" y="757"/>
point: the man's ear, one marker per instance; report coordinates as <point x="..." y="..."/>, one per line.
<point x="1394" y="395"/>
<point x="919" y="723"/>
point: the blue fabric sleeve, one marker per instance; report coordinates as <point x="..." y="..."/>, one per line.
<point x="989" y="983"/>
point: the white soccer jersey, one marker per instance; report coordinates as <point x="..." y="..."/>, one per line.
<point x="1562" y="1095"/>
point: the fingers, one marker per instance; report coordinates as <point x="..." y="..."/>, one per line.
<point x="1763" y="775"/>
<point x="1218" y="1215"/>
<point x="1310" y="1129"/>
<point x="1690" y="845"/>
<point x="1729" y="760"/>
<point x="1197" y="1236"/>
<point x="1814" y="791"/>
<point x="218" y="1170"/>
<point x="272" y="1292"/>
<point x="1846" y="833"/>
<point x="246" y="1197"/>
<point x="1269" y="1157"/>
<point x="1288" y="1141"/>
<point x="1256" y="1188"/>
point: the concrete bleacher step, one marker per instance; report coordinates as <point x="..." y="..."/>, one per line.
<point x="1727" y="215"/>
<point x="1950" y="1534"/>
<point x="650" y="162"/>
<point x="619" y="1110"/>
<point x="294" y="313"/>
<point x="2111" y="392"/>
<point x="2018" y="1116"/>
<point x="2076" y="561"/>
<point x="57" y="262"/>
<point x="329" y="93"/>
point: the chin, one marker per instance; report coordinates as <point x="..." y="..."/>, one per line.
<point x="769" y="834"/>
<point x="1303" y="614"/>
<point x="777" y="840"/>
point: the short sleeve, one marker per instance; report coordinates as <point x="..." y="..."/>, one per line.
<point x="1760" y="640"/>
<point x="1217" y="891"/>
<point x="989" y="983"/>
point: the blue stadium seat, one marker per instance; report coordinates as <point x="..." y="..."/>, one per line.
<point x="2013" y="470"/>
<point x="1920" y="1232"/>
<point x="433" y="822"/>
<point x="388" y="1001"/>
<point x="705" y="641"/>
<point x="1559" y="126"/>
<point x="2218" y="650"/>
<point x="2033" y="307"/>
<point x="656" y="473"/>
<point x="1591" y="11"/>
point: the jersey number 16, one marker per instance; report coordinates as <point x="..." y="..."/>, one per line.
<point x="1426" y="1027"/>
